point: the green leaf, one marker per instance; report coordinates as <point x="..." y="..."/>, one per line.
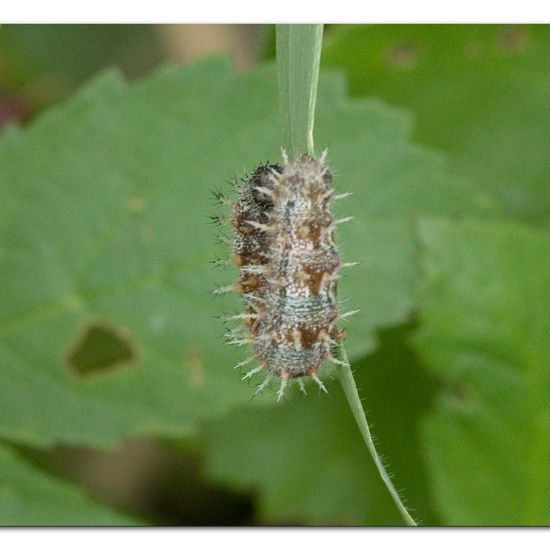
<point x="478" y="92"/>
<point x="104" y="235"/>
<point x="307" y="460"/>
<point x="484" y="329"/>
<point x="31" y="497"/>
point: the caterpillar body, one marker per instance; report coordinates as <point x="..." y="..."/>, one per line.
<point x="289" y="265"/>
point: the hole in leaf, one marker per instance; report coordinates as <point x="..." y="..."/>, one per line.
<point x="403" y="56"/>
<point x="99" y="349"/>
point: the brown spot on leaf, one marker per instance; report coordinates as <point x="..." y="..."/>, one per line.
<point x="475" y="50"/>
<point x="196" y="372"/>
<point x="513" y="39"/>
<point x="403" y="56"/>
<point x="136" y="204"/>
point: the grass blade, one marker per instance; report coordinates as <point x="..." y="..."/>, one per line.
<point x="354" y="401"/>
<point x="298" y="56"/>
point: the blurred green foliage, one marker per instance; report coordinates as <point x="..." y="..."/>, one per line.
<point x="41" y="64"/>
<point x="483" y="326"/>
<point x="31" y="497"/>
<point x="107" y="324"/>
<point x="478" y="92"/>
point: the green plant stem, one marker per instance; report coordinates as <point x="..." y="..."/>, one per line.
<point x="298" y="58"/>
<point x="354" y="401"/>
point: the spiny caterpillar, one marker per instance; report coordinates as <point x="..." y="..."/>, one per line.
<point x="283" y="245"/>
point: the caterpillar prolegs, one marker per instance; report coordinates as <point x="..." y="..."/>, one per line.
<point x="283" y="245"/>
